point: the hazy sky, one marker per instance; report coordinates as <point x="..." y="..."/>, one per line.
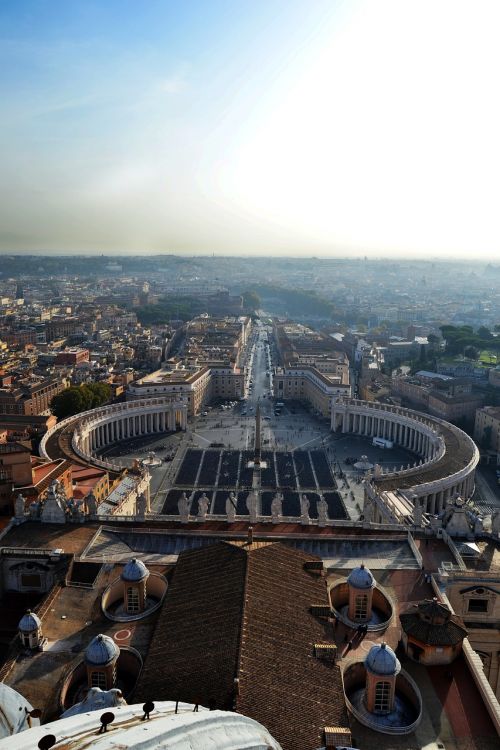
<point x="267" y="126"/>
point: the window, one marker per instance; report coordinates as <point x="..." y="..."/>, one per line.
<point x="132" y="599"/>
<point x="382" y="697"/>
<point x="360" y="607"/>
<point x="32" y="581"/>
<point x="98" y="679"/>
<point x="478" y="605"/>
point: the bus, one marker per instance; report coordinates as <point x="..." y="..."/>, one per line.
<point x="382" y="443"/>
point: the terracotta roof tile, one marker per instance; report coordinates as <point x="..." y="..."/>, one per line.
<point x="238" y="611"/>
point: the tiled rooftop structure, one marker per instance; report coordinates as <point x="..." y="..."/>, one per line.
<point x="242" y="612"/>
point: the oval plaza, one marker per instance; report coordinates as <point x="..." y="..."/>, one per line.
<point x="444" y="465"/>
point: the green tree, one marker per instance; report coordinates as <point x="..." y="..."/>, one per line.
<point x="471" y="352"/>
<point x="76" y="399"/>
<point x="68" y="402"/>
<point x="484" y="333"/>
<point x="251" y="300"/>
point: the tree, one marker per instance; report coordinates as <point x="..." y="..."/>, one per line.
<point x="484" y="333"/>
<point x="67" y="403"/>
<point x="471" y="352"/>
<point x="433" y="340"/>
<point x="80" y="398"/>
<point x="251" y="300"/>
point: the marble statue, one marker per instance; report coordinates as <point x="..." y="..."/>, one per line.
<point x="231" y="507"/>
<point x="252" y="506"/>
<point x="203" y="504"/>
<point x="322" y="511"/>
<point x="417" y="510"/>
<point x="183" y="506"/>
<point x="19" y="511"/>
<point x="91" y="504"/>
<point x="55" y="506"/>
<point x="277" y="507"/>
<point x="141" y="506"/>
<point x="304" y="509"/>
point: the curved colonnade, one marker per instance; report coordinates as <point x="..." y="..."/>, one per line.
<point x="446" y="457"/>
<point x="97" y="428"/>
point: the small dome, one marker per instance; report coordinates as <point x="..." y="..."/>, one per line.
<point x="29" y="622"/>
<point x="134" y="570"/>
<point x="101" y="650"/>
<point x="361" y="578"/>
<point x="382" y="660"/>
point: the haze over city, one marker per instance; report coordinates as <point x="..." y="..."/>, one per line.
<point x="280" y="128"/>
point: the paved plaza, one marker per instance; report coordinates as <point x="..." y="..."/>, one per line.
<point x="231" y="428"/>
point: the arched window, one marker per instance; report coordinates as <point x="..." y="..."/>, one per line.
<point x="132" y="599"/>
<point x="382" y="697"/>
<point x="361" y="606"/>
<point x="98" y="679"/>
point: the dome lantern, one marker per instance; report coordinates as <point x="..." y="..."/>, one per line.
<point x="361" y="584"/>
<point x="382" y="668"/>
<point x="135" y="576"/>
<point x="30" y="630"/>
<point x="101" y="656"/>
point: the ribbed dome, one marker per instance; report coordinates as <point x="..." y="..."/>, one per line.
<point x="382" y="660"/>
<point x="101" y="650"/>
<point x="134" y="570"/>
<point x="14" y="714"/>
<point x="361" y="578"/>
<point x="29" y="622"/>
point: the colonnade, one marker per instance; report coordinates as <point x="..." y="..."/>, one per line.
<point x="433" y="481"/>
<point x="116" y="427"/>
<point x="413" y="435"/>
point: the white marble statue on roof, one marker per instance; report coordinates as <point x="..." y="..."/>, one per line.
<point x="456" y="518"/>
<point x="96" y="699"/>
<point x="417" y="510"/>
<point x="19" y="510"/>
<point x="141" y="505"/>
<point x="251" y="503"/>
<point x="183" y="506"/>
<point x="54" y="507"/>
<point x="14" y="713"/>
<point x="203" y="504"/>
<point x="304" y="509"/>
<point x="91" y="504"/>
<point x="277" y="507"/>
<point x="231" y="507"/>
<point x="322" y="511"/>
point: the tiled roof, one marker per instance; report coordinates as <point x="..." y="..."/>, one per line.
<point x="194" y="650"/>
<point x="239" y="611"/>
<point x="432" y="623"/>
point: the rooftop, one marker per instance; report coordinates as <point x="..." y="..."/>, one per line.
<point x="256" y="628"/>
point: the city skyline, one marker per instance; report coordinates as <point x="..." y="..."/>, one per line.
<point x="323" y="129"/>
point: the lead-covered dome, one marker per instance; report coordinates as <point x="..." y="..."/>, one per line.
<point x="134" y="570"/>
<point x="361" y="578"/>
<point x="14" y="716"/>
<point x="29" y="622"/>
<point x="382" y="660"/>
<point x="101" y="651"/>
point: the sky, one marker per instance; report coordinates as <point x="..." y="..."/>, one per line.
<point x="269" y="127"/>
